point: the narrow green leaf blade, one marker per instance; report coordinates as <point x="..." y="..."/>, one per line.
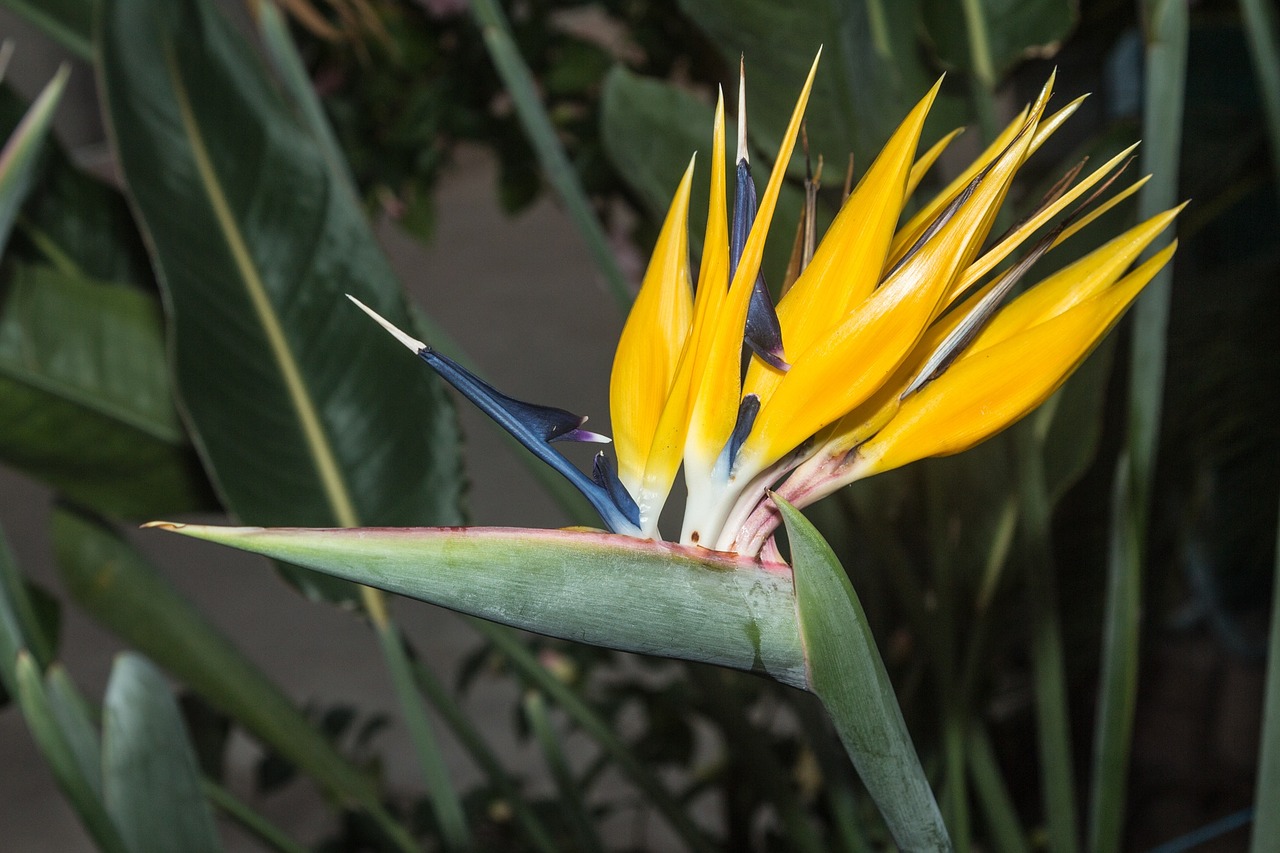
<point x="846" y="672"/>
<point x="304" y="413"/>
<point x="68" y="22"/>
<point x="116" y="586"/>
<point x="637" y="595"/>
<point x="85" y="399"/>
<point x="79" y="790"/>
<point x="520" y="84"/>
<point x="150" y="775"/>
<point x="75" y="721"/>
<point x="21" y="151"/>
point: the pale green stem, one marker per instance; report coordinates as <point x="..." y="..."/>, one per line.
<point x="256" y="824"/>
<point x="1260" y="26"/>
<point x="1048" y="667"/>
<point x="1166" y="60"/>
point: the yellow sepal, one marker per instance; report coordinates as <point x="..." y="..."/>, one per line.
<point x="652" y="340"/>
<point x="848" y="364"/>
<point x="988" y="390"/>
<point x="715" y="408"/>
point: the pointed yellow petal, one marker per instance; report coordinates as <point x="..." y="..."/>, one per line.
<point x="909" y="233"/>
<point x="848" y="263"/>
<point x="1076" y="283"/>
<point x="926" y="160"/>
<point x="652" y="339"/>
<point x="667" y="446"/>
<point x="986" y="391"/>
<point x="715" y="408"/>
<point x="846" y="366"/>
<point x="1019" y="235"/>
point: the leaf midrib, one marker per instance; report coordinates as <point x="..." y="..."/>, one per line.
<point x="332" y="482"/>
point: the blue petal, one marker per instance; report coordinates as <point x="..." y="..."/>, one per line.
<point x="533" y="426"/>
<point x="763" y="333"/>
<point x="606" y="477"/>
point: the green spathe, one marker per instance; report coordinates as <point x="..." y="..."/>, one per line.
<point x="636" y="595"/>
<point x="847" y="674"/>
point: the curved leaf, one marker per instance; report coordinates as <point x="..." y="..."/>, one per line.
<point x="847" y="674"/>
<point x="302" y="414"/>
<point x="85" y="401"/>
<point x="115" y="585"/>
<point x="21" y="152"/>
<point x="73" y="220"/>
<point x="60" y="751"/>
<point x="637" y="595"/>
<point x="151" y="780"/>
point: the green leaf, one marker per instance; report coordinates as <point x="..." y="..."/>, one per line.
<point x="150" y="774"/>
<point x="846" y="672"/>
<point x="21" y="625"/>
<point x="1167" y="27"/>
<point x="68" y="22"/>
<point x="21" y="152"/>
<point x="113" y="584"/>
<point x="76" y="722"/>
<point x="85" y="402"/>
<point x="73" y="220"/>
<point x="80" y="789"/>
<point x="1014" y="30"/>
<point x="305" y="414"/>
<point x="637" y="595"/>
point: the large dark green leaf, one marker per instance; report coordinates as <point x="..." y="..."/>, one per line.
<point x="151" y="780"/>
<point x="1013" y="30"/>
<point x="85" y="402"/>
<point x="303" y="413"/>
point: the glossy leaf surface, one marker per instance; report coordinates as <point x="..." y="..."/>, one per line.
<point x="303" y="415"/>
<point x="85" y="401"/>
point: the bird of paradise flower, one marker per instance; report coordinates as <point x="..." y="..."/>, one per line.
<point x="891" y="344"/>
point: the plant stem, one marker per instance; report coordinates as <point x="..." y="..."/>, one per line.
<point x="261" y="828"/>
<point x="1049" y="669"/>
<point x="1166" y="59"/>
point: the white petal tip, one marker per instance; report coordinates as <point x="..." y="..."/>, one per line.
<point x="414" y="344"/>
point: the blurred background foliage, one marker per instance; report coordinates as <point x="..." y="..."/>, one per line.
<point x="1014" y="632"/>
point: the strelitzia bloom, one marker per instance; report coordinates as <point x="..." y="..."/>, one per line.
<point x="896" y="340"/>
